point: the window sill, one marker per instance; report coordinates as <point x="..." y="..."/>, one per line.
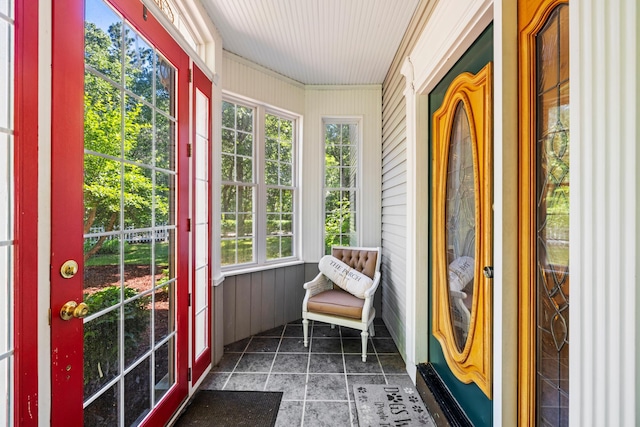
<point x="234" y="271"/>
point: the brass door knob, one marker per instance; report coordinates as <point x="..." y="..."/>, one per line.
<point x="72" y="309"/>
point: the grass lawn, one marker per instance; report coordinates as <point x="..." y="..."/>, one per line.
<point x="135" y="254"/>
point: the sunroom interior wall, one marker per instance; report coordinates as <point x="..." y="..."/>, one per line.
<point x="259" y="301"/>
<point x="363" y="102"/>
<point x="394" y="183"/>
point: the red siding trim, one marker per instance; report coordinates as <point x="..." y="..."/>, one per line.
<point x="26" y="213"/>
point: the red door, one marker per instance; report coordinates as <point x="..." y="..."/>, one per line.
<point x="201" y="214"/>
<point x="120" y="204"/>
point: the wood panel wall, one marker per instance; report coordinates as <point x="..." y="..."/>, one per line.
<point x="259" y="301"/>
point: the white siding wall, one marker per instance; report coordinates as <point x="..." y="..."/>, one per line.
<point x="394" y="184"/>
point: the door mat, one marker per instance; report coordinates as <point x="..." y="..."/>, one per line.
<point x="231" y="408"/>
<point x="390" y="405"/>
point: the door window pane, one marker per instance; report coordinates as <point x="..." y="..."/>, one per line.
<point x="130" y="208"/>
<point x="460" y="217"/>
<point x="552" y="216"/>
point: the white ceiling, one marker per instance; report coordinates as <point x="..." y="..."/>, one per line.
<point x="317" y="42"/>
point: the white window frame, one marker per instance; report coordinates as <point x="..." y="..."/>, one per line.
<point x="260" y="187"/>
<point x="7" y="212"/>
<point x="343" y="120"/>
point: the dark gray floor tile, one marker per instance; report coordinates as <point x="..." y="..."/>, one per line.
<point x="329" y="392"/>
<point x="392" y="364"/>
<point x="292" y="385"/>
<point x="326" y="345"/>
<point x="215" y="381"/>
<point x="326" y="414"/>
<point x="290" y="363"/>
<point x="350" y="332"/>
<point x="382" y="331"/>
<point x="290" y="414"/>
<point x="293" y="331"/>
<point x="385" y="345"/>
<point x="326" y="387"/>
<point x="245" y="381"/>
<point x="296" y="322"/>
<point x="255" y="362"/>
<point x="325" y="331"/>
<point x="355" y="365"/>
<point x="237" y="347"/>
<point x="292" y="345"/>
<point x="326" y="363"/>
<point x="354" y="346"/>
<point x="274" y="332"/>
<point x="227" y="363"/>
<point x="263" y="345"/>
<point x="402" y="380"/>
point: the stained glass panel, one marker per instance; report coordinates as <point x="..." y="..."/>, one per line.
<point x="552" y="220"/>
<point x="460" y="224"/>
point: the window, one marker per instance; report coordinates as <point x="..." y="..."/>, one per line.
<point x="279" y="186"/>
<point x="238" y="185"/>
<point x="258" y="185"/>
<point x="341" y="156"/>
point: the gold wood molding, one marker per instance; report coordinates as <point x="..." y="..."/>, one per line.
<point x="473" y="363"/>
<point x="532" y="16"/>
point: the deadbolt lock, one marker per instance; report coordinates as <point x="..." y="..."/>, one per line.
<point x="72" y="309"/>
<point x="488" y="271"/>
<point x="69" y="269"/>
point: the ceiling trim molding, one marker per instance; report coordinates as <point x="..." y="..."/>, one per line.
<point x="344" y="87"/>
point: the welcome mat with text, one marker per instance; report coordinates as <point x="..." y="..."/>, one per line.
<point x="390" y="406"/>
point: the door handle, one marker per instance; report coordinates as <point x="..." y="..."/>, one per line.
<point x="72" y="309"/>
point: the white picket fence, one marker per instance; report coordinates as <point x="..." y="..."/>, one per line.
<point x="130" y="235"/>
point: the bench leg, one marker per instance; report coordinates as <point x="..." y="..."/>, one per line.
<point x="305" y="329"/>
<point x="365" y="338"/>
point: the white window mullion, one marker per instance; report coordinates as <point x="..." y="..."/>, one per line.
<point x="261" y="190"/>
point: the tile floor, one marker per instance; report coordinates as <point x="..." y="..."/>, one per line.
<point x="316" y="381"/>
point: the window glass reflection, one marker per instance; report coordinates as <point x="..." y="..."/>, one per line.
<point x="460" y="225"/>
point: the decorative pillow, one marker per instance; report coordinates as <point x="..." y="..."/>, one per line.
<point x="347" y="278"/>
<point x="461" y="272"/>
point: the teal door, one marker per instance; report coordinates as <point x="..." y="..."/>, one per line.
<point x="473" y="401"/>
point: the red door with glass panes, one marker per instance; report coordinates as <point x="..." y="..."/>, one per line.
<point x="201" y="219"/>
<point x="120" y="207"/>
